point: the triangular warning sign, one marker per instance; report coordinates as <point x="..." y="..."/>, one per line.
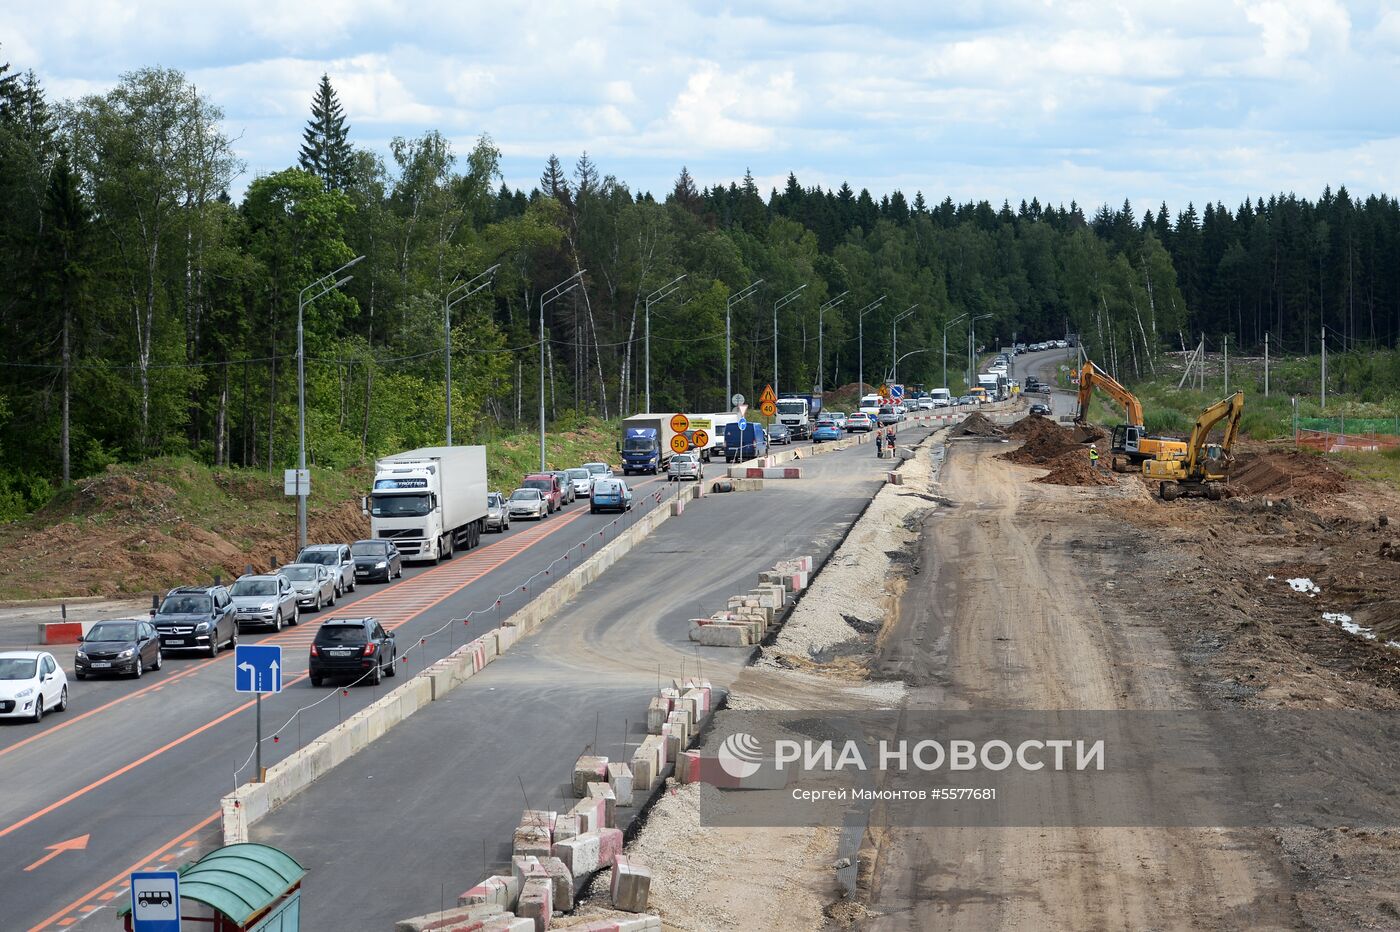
<point x="768" y="397"/>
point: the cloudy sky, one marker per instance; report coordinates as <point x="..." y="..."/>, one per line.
<point x="1086" y="99"/>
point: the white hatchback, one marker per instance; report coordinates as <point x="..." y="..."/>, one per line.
<point x="31" y="683"/>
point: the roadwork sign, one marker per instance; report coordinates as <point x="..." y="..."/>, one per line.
<point x="155" y="901"/>
<point x="679" y="444"/>
<point x="768" y="408"/>
<point x="768" y="397"/>
<point x="680" y="423"/>
<point x="700" y="438"/>
<point x="257" y="668"/>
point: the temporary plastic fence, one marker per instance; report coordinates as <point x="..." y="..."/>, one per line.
<point x="1331" y="442"/>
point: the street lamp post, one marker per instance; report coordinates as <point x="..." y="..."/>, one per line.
<point x="860" y="325"/>
<point x="728" y="343"/>
<point x="821" y="359"/>
<point x="972" y="347"/>
<point x="782" y="302"/>
<point x="894" y="340"/>
<point x="323" y="285"/>
<point x="945" y="346"/>
<point x="454" y="297"/>
<point x="658" y="295"/>
<point x="548" y="297"/>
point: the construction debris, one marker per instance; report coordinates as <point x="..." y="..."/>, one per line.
<point x="976" y="424"/>
<point x="1073" y="468"/>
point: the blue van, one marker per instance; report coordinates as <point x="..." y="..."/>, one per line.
<point x="752" y="443"/>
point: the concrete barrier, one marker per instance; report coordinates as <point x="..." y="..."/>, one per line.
<point x="639" y="924"/>
<point x="498" y="889"/>
<point x="760" y="472"/>
<point x="630" y="885"/>
<point x="63" y="632"/>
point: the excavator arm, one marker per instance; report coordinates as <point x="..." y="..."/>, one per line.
<point x="1091" y="378"/>
<point x="1231" y="408"/>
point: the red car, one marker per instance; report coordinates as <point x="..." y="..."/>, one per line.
<point x="549" y="487"/>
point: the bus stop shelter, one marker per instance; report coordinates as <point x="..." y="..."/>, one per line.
<point x="244" y="888"/>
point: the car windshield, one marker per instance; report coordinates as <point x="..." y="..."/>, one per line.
<point x="525" y="495"/>
<point x="493" y="500"/>
<point x="112" y="632"/>
<point x="323" y="557"/>
<point x="544" y="485"/>
<point x="684" y="458"/>
<point x="18" y="668"/>
<point x="579" y="473"/>
<point x="792" y="407"/>
<point x="400" y="505"/>
<point x="184" y="604"/>
<point x="596" y="468"/>
<point x="340" y="634"/>
<point x="368" y="548"/>
<point x="255" y="587"/>
<point x="299" y="573"/>
<point x="638" y="445"/>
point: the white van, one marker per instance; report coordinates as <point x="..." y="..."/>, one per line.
<point x="942" y="398"/>
<point x="870" y="404"/>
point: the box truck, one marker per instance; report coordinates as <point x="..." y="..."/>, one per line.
<point x="646" y="443"/>
<point x="429" y="502"/>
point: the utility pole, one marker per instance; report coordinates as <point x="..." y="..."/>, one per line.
<point x="547" y="297"/>
<point x="782" y="302"/>
<point x="454" y="297"/>
<point x="1227" y="364"/>
<point x="1324" y="365"/>
<point x="860" y="325"/>
<point x="894" y="341"/>
<point x="945" y="346"/>
<point x="728" y="342"/>
<point x="821" y="357"/>
<point x="653" y="298"/>
<point x="1266" y="364"/>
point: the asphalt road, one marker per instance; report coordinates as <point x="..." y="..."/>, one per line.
<point x="428" y="810"/>
<point x="138" y="766"/>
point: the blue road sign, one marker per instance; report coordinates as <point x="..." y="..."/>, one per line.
<point x="896" y="392"/>
<point x="743" y="424"/>
<point x="257" y="668"/>
<point x="155" y="901"/>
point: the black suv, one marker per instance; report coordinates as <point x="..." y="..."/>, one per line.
<point x="196" y="618"/>
<point x="352" y="647"/>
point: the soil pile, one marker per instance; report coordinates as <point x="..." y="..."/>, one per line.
<point x="1073" y="468"/>
<point x="1045" y="441"/>
<point x="977" y="425"/>
<point x="1292" y="474"/>
<point x="1087" y="433"/>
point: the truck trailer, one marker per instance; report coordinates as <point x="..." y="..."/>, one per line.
<point x="430" y="501"/>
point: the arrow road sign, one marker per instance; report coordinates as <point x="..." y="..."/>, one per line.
<point x="155" y="901"/>
<point x="743" y="424"/>
<point x="257" y="668"/>
<point x="72" y="844"/>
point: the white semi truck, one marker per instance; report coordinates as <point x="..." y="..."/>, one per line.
<point x="430" y="502"/>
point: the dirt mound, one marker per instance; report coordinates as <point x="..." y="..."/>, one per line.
<point x="977" y="425"/>
<point x="1289" y="473"/>
<point x="1072" y="468"/>
<point x="1087" y="433"/>
<point x="1045" y="441"/>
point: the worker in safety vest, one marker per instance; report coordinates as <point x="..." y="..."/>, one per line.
<point x="1094" y="455"/>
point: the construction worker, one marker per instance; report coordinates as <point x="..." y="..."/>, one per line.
<point x="1094" y="456"/>
<point x="879" y="444"/>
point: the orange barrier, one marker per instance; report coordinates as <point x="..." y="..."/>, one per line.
<point x="1328" y="442"/>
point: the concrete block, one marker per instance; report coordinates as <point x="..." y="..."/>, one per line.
<point x="630" y="885"/>
<point x="648" y="761"/>
<point x="680" y="724"/>
<point x="544" y="818"/>
<point x="498" y="889"/>
<point x="895" y="478"/>
<point x="523" y="867"/>
<point x="697" y="704"/>
<point x="580" y="854"/>
<point x="720" y="634"/>
<point x="592" y="814"/>
<point x="536" y="902"/>
<point x="678" y="506"/>
<point x="532" y="840"/>
<point x="639" y="924"/>
<point x="562" y="881"/>
<point x="609" y="846"/>
<point x="688" y="767"/>
<point x="670" y="694"/>
<point x="605" y="792"/>
<point x="657" y="710"/>
<point x="588" y="769"/>
<point x="620" y="779"/>
<point x="459" y="917"/>
<point x="566" y="826"/>
<point x="674" y="746"/>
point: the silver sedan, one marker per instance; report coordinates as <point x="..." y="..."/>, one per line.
<point x="528" y="503"/>
<point x="314" y="583"/>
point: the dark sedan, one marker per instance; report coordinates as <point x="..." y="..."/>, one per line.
<point x="127" y="648"/>
<point x="376" y="560"/>
<point x="779" y="433"/>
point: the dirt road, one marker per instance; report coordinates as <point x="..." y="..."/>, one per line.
<point x="1016" y="605"/>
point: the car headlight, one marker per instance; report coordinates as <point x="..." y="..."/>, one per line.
<point x="81" y="655"/>
<point x="267" y="606"/>
<point x="382" y="565"/>
<point x="25" y="693"/>
<point x="202" y="626"/>
<point x="126" y="655"/>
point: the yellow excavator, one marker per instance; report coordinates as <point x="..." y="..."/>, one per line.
<point x="1206" y="466"/>
<point x="1131" y="446"/>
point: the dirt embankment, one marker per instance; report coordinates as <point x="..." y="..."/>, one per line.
<point x="135" y="530"/>
<point x="976" y="424"/>
<point x="1061" y="450"/>
<point x="1301" y="477"/>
